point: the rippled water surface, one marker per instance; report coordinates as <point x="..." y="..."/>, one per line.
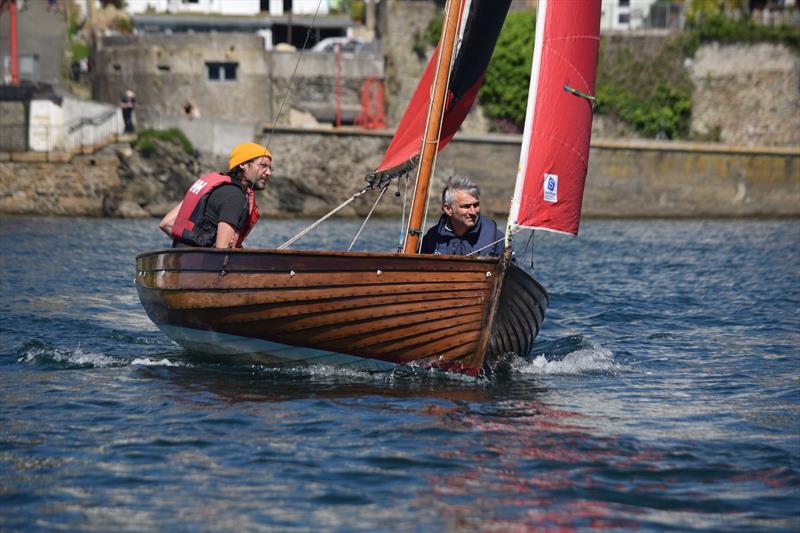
<point x="663" y="393"/>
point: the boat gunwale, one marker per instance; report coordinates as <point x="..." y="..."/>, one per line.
<point x="320" y="253"/>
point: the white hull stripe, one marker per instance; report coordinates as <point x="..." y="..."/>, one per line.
<point x="222" y="344"/>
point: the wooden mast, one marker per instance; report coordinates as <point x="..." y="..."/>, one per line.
<point x="433" y="127"/>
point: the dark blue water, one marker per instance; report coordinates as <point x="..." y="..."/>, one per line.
<point x="663" y="394"/>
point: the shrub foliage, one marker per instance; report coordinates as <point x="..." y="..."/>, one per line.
<point x="144" y="140"/>
<point x="504" y="94"/>
<point x="652" y="92"/>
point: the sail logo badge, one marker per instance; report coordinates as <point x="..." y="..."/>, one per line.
<point x="550" y="188"/>
<point x="198" y="186"/>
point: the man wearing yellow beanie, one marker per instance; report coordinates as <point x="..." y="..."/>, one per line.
<point x="219" y="210"/>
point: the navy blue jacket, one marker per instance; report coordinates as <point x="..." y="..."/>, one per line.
<point x="440" y="239"/>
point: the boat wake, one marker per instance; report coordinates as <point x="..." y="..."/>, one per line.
<point x="582" y="361"/>
<point x="146" y="361"/>
<point x="39" y="353"/>
<point x="569" y="356"/>
<point x="43" y="354"/>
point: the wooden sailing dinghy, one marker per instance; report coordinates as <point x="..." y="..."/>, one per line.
<point x="378" y="310"/>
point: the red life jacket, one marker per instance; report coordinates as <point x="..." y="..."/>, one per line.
<point x="189" y="227"/>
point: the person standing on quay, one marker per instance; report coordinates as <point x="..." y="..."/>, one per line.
<point x="128" y="104"/>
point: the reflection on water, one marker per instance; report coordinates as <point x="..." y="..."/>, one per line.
<point x="662" y="393"/>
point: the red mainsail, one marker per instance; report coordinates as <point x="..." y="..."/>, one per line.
<point x="481" y="22"/>
<point x="555" y="146"/>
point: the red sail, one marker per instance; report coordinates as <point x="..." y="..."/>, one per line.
<point x="479" y="31"/>
<point x="555" y="147"/>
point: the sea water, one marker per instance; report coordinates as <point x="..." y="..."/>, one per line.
<point x="663" y="393"/>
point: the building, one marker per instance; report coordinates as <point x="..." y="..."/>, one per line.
<point x="40" y="44"/>
<point x="226" y="74"/>
<point x="625" y="14"/>
<point x="229" y="7"/>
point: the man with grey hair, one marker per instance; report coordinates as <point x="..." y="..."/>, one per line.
<point x="461" y="229"/>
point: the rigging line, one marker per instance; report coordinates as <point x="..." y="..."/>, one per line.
<point x="530" y="246"/>
<point x="374" y="205"/>
<point x="436" y="142"/>
<point x="473" y="252"/>
<point x="428" y="122"/>
<point x="403" y="218"/>
<point x="323" y="219"/>
<point x="291" y="80"/>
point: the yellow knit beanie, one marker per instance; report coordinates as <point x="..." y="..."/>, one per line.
<point x="244" y="152"/>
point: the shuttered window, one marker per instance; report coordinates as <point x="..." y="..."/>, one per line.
<point x="221" y="71"/>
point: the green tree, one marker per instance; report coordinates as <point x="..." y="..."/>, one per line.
<point x="504" y="95"/>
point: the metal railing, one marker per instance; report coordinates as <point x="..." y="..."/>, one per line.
<point x="79" y="134"/>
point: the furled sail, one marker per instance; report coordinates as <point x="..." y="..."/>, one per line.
<point x="555" y="145"/>
<point x="478" y="32"/>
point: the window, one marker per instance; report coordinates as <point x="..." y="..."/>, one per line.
<point x="624" y="3"/>
<point x="624" y="18"/>
<point x="29" y="67"/>
<point x="221" y="71"/>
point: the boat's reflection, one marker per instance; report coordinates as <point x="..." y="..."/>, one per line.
<point x="531" y="467"/>
<point x="516" y="462"/>
<point x="253" y="383"/>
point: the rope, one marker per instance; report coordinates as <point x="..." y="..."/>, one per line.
<point x="291" y="80"/>
<point x="323" y="219"/>
<point x="473" y="252"/>
<point x="374" y="205"/>
<point x="530" y="245"/>
<point x="403" y="219"/>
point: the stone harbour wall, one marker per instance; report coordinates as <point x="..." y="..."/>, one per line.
<point x="72" y="186"/>
<point x="316" y="170"/>
<point x="747" y="94"/>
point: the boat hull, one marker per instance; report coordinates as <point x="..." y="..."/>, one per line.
<point x="364" y="310"/>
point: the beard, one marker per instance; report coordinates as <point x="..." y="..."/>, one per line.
<point x="259" y="185"/>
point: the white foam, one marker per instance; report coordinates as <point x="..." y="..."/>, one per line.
<point x="78" y="357"/>
<point x="582" y="361"/>
<point x="73" y="357"/>
<point x="145" y="361"/>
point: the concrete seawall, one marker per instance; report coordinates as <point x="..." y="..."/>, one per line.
<point x="654" y="179"/>
<point x="625" y="178"/>
<point x="317" y="169"/>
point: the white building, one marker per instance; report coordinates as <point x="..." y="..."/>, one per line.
<point x="224" y="7"/>
<point x="624" y="14"/>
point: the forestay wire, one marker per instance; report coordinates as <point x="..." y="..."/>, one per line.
<point x="403" y="220"/>
<point x="294" y="73"/>
<point x="528" y="245"/>
<point x="323" y="219"/>
<point x="372" y="185"/>
<point x="366" y="219"/>
<point x="272" y="132"/>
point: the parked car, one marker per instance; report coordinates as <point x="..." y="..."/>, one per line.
<point x="348" y="44"/>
